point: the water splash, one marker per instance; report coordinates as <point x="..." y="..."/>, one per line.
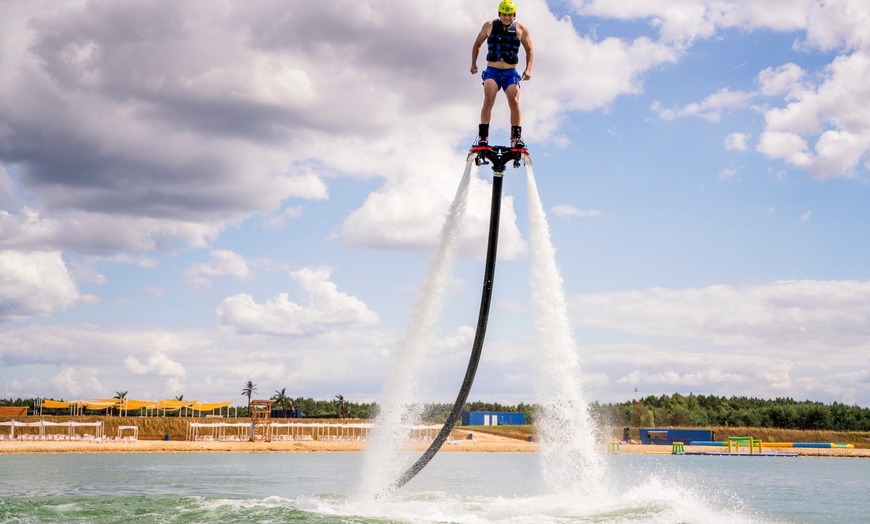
<point x="566" y="431"/>
<point x="400" y="406"/>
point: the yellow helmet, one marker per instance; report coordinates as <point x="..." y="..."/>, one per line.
<point x="507" y="7"/>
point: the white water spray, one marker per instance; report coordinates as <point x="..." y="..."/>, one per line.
<point x="565" y="428"/>
<point x="399" y="405"/>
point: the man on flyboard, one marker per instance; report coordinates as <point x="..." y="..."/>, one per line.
<point x="503" y="37"/>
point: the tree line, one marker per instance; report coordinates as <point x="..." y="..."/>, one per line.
<point x="651" y="411"/>
<point x="710" y="410"/>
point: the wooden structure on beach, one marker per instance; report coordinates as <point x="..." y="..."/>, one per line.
<point x="261" y="420"/>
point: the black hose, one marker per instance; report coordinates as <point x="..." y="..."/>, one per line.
<point x="477" y="347"/>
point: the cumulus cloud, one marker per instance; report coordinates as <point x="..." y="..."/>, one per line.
<point x="89" y="360"/>
<point x="76" y="383"/>
<point x="787" y="317"/>
<point x="822" y="127"/>
<point x="683" y="21"/>
<point x="782" y="80"/>
<point x="98" y="233"/>
<point x="225" y="115"/>
<point x="221" y="263"/>
<point x="327" y="308"/>
<point x="710" y="109"/>
<point x="833" y="112"/>
<point x="158" y="363"/>
<point x="276" y="222"/>
<point x="761" y="339"/>
<point x="737" y="142"/>
<point x="34" y="285"/>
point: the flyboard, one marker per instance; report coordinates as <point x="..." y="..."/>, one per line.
<point x="499" y="157"/>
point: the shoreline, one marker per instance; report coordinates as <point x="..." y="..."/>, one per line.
<point x="483" y="444"/>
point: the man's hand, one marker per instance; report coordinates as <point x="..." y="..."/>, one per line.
<point x="473" y="69"/>
<point x="527" y="74"/>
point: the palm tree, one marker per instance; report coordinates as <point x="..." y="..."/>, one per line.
<point x="340" y="400"/>
<point x="179" y="397"/>
<point x="281" y="398"/>
<point x="120" y="395"/>
<point x="248" y="390"/>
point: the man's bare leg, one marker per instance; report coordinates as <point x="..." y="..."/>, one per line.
<point x="490" y="90"/>
<point x="513" y="98"/>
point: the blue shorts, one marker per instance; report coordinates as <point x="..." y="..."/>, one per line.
<point x="503" y="77"/>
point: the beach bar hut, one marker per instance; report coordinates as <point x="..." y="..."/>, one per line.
<point x="669" y="436"/>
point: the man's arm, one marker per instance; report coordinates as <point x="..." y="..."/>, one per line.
<point x="481" y="38"/>
<point x="526" y="40"/>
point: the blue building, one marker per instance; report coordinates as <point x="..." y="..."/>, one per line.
<point x="492" y="418"/>
<point x="291" y="413"/>
<point x="669" y="436"/>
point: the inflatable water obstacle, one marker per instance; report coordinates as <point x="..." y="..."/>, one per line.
<point x="756" y="447"/>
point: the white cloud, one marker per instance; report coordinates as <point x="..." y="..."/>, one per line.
<point x="727" y="174"/>
<point x="221" y="264"/>
<point x="682" y="21"/>
<point x="781" y="80"/>
<point x="158" y="363"/>
<point x="565" y="210"/>
<point x="277" y="221"/>
<point x="89" y="360"/>
<point x="410" y="213"/>
<point x="34" y="284"/>
<point x="838" y="24"/>
<point x="251" y="117"/>
<point x="327" y="308"/>
<point x="737" y="142"/>
<point x="791" y="318"/>
<point x="85" y="269"/>
<point x="761" y="339"/>
<point x="833" y="112"/>
<point x="790" y="146"/>
<point x="76" y="383"/>
<point x="831" y="118"/>
<point x="710" y="109"/>
<point x="97" y="233"/>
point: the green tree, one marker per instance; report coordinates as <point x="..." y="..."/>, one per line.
<point x="648" y="420"/>
<point x="339" y="399"/>
<point x="248" y="391"/>
<point x="282" y="399"/>
<point x="120" y="395"/>
<point x="179" y="398"/>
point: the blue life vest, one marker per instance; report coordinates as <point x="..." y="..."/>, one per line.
<point x="503" y="43"/>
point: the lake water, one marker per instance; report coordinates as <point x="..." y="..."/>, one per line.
<point x="463" y="488"/>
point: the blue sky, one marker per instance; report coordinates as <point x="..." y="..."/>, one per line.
<point x="197" y="194"/>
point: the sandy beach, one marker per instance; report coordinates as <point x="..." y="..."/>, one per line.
<point x="482" y="443"/>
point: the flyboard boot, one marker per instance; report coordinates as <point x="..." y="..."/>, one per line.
<point x="498" y="156"/>
<point x="481" y="146"/>
<point x="517" y="144"/>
